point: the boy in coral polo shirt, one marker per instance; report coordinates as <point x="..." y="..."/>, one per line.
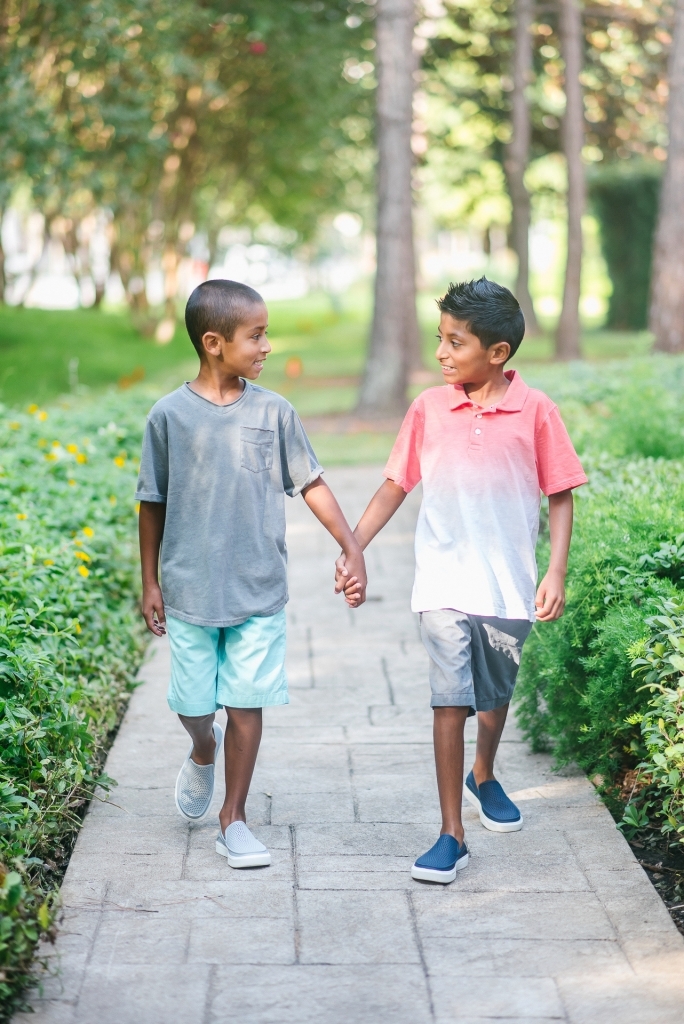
<point x="484" y="445"/>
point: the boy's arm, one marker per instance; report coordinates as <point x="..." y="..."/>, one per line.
<point x="151" y="530"/>
<point x="550" y="600"/>
<point x="381" y="508"/>
<point x="323" y="504"/>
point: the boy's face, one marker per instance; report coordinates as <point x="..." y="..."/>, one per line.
<point x="244" y="355"/>
<point x="463" y="357"/>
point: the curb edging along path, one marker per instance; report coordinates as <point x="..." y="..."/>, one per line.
<point x="557" y="922"/>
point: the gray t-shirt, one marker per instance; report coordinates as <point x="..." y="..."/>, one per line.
<point x="223" y="471"/>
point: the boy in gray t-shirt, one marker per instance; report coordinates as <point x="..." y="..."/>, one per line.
<point x="219" y="455"/>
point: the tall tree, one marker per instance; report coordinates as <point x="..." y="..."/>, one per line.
<point x="395" y="336"/>
<point x="572" y="135"/>
<point x="667" y="309"/>
<point x="517" y="157"/>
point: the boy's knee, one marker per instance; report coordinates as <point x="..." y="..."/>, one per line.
<point x="451" y="713"/>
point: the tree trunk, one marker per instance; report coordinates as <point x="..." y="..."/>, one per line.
<point x="667" y="302"/>
<point x="395" y="339"/>
<point x="517" y="157"/>
<point x="572" y="133"/>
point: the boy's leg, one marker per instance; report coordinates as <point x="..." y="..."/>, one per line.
<point x="240" y="747"/>
<point x="201" y="732"/>
<point x="490" y="725"/>
<point x="448" y="727"/>
<point x="192" y="695"/>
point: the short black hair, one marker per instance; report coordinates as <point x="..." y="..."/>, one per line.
<point x="219" y="306"/>
<point x="491" y="312"/>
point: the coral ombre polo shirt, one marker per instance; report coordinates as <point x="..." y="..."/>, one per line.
<point x="482" y="471"/>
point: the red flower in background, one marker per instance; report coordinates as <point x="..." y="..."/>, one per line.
<point x="258" y="47"/>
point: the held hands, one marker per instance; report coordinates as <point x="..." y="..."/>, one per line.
<point x="350" y="577"/>
<point x="153" y="609"/>
<point x="550" y="599"/>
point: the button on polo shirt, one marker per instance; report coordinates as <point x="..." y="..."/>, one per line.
<point x="482" y="472"/>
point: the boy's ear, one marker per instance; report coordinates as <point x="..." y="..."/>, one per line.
<point x="211" y="342"/>
<point x="499" y="353"/>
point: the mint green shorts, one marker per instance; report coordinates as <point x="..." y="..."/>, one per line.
<point x="227" y="666"/>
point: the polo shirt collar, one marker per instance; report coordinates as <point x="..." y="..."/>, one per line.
<point x="513" y="400"/>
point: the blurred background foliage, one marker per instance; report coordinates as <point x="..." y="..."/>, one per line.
<point x="158" y="126"/>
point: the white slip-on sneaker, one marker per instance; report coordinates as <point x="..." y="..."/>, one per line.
<point x="242" y="849"/>
<point x="195" y="783"/>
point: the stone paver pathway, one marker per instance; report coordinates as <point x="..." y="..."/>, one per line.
<point x="557" y="922"/>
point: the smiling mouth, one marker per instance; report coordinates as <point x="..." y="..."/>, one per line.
<point x="448" y="369"/>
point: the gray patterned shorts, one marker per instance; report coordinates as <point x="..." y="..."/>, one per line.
<point x="474" y="659"/>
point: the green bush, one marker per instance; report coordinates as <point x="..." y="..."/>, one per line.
<point x="658" y="660"/>
<point x="625" y="201"/>
<point x="576" y="688"/>
<point x="624" y="409"/>
<point x="70" y="642"/>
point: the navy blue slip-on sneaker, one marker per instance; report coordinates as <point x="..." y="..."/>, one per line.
<point x="441" y="863"/>
<point x="497" y="812"/>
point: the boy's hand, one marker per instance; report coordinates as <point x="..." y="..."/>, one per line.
<point x="153" y="605"/>
<point x="350" y="577"/>
<point x="550" y="599"/>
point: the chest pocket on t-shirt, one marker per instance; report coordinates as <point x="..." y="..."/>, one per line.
<point x="256" y="449"/>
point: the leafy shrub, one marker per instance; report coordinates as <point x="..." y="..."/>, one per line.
<point x="70" y="642"/>
<point x="625" y="200"/>
<point x="626" y="409"/>
<point x="576" y="689"/>
<point x="22" y="918"/>
<point x="659" y="661"/>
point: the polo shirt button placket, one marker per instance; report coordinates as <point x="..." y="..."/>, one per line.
<point x="476" y="432"/>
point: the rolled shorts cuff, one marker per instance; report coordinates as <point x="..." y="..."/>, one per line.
<point x="273" y="700"/>
<point x="492" y="705"/>
<point x="192" y="710"/>
<point x="452" y="700"/>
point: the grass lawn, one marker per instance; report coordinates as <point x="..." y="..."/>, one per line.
<point x="36" y="347"/>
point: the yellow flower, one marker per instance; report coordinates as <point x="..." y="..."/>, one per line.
<point x="112" y="499"/>
<point x="33" y="408"/>
<point x="81" y="457"/>
<point x="88" y="530"/>
<point x="42" y="416"/>
<point x="14" y="425"/>
<point x="51" y="457"/>
<point x="21" y="515"/>
<point x="137" y="507"/>
<point x="119" y="461"/>
<point x="48" y="561"/>
<point x="41" y="442"/>
<point x="77" y="540"/>
<point x="83" y="571"/>
<point x="83" y="555"/>
<point x="72" y="483"/>
<point x="77" y="627"/>
<point x="73" y="448"/>
<point x="56" y="444"/>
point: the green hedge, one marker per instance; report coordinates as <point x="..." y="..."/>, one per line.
<point x="576" y="687"/>
<point x="624" y="198"/>
<point x="582" y="690"/>
<point x="70" y="643"/>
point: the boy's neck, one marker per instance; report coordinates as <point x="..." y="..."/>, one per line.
<point x="489" y="391"/>
<point x="217" y="384"/>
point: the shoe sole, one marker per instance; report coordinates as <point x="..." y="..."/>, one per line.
<point x="489" y="823"/>
<point x="200" y="817"/>
<point x="433" y="875"/>
<point x="244" y="860"/>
